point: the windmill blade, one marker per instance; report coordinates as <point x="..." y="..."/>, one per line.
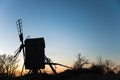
<point x="20" y="33"/>
<point x="20" y="29"/>
<point x="18" y="51"/>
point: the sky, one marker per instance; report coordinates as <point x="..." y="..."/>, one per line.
<point x="69" y="27"/>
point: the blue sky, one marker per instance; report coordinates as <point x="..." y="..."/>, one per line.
<point x="89" y="27"/>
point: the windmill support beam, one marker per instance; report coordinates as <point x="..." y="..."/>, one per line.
<point x="59" y="65"/>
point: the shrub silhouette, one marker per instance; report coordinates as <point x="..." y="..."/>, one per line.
<point x="97" y="69"/>
<point x="107" y="66"/>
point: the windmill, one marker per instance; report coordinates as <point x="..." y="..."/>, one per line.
<point x="33" y="52"/>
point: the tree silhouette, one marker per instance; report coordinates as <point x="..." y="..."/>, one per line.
<point x="100" y="61"/>
<point x="80" y="62"/>
<point x="106" y="66"/>
<point x="8" y="65"/>
<point x="109" y="65"/>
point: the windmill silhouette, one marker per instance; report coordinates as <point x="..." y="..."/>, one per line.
<point x="33" y="53"/>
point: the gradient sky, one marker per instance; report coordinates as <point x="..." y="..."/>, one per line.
<point x="89" y="27"/>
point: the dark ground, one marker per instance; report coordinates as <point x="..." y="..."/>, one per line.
<point x="67" y="75"/>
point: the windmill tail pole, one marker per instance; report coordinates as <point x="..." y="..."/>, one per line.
<point x="60" y="65"/>
<point x="49" y="63"/>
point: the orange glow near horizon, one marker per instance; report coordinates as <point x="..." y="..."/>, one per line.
<point x="46" y="70"/>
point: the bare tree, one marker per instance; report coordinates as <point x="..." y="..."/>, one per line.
<point x="106" y="65"/>
<point x="109" y="65"/>
<point x="117" y="68"/>
<point x="80" y="62"/>
<point x="8" y="65"/>
<point x="100" y="61"/>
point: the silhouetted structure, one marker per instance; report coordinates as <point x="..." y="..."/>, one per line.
<point x="33" y="52"/>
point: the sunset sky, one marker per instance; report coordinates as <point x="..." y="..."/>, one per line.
<point x="89" y="27"/>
